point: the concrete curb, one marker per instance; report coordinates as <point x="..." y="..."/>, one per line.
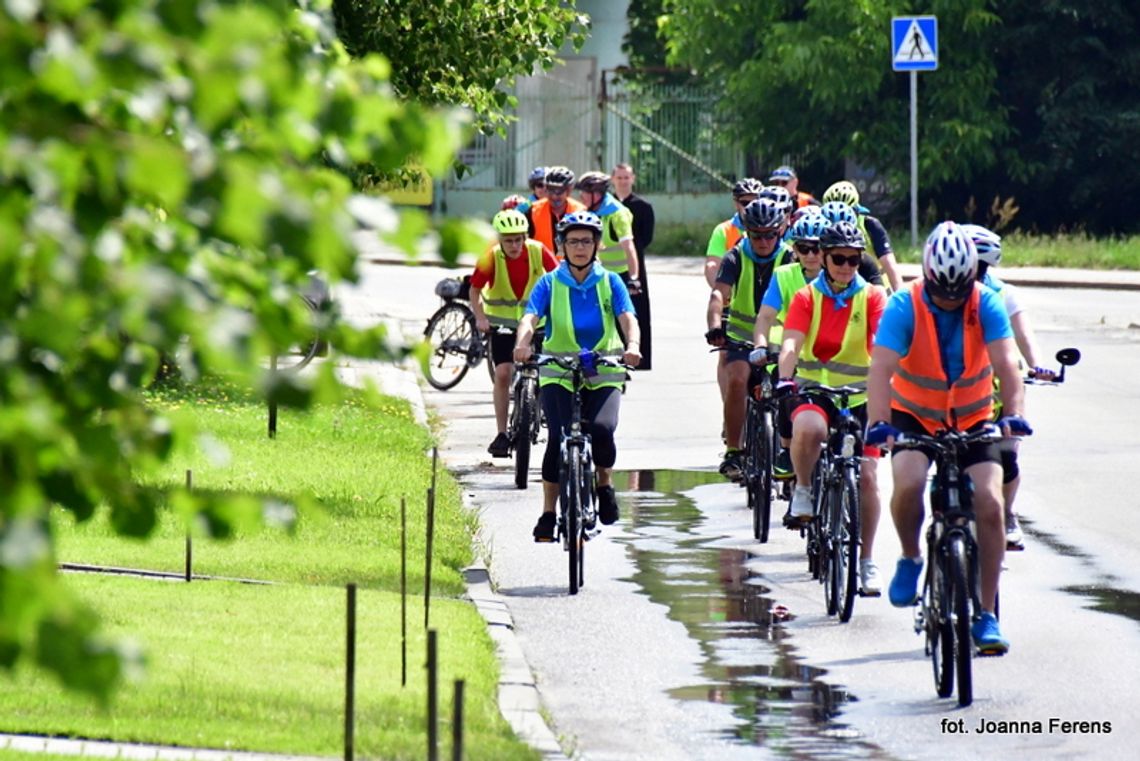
<point x="136" y="751"/>
<point x="519" y="699"/>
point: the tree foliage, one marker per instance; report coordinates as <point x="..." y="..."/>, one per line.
<point x="1025" y="94"/>
<point x="461" y="52"/>
<point x="169" y="172"/>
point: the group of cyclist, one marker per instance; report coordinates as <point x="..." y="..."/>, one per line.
<point x="562" y="275"/>
<point x="806" y="278"/>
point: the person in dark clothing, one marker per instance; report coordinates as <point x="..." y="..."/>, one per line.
<point x="623" y="178"/>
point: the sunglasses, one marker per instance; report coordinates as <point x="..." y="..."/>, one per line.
<point x="850" y="261"/>
<point x="763" y="234"/>
<point x="556" y="191"/>
<point x="807" y="248"/>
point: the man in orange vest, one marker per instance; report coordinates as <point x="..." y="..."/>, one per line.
<point x="545" y="213"/>
<point x="939" y="344"/>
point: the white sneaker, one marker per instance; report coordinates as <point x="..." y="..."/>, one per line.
<point x="1013" y="537"/>
<point x="801" y="503"/>
<point x="869" y="582"/>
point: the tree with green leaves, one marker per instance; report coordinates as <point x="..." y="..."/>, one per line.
<point x="461" y="52"/>
<point x="1030" y="100"/>
<point x="170" y="170"/>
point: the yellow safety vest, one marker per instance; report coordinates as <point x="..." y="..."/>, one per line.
<point x="502" y="307"/>
<point x="849" y="367"/>
<point x="562" y="341"/>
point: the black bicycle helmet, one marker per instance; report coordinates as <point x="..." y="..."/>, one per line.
<point x="763" y="212"/>
<point x="593" y="182"/>
<point x="559" y="177"/>
<point x="841" y="235"/>
<point x="749" y="186"/>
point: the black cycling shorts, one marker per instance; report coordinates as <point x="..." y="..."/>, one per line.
<point x="975" y="453"/>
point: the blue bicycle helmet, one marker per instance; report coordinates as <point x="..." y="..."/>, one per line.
<point x="577" y="220"/>
<point x="837" y="211"/>
<point x="809" y="227"/>
<point x="537" y="175"/>
<point x="762" y="213"/>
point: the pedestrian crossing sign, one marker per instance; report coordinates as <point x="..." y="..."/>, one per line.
<point x="914" y="43"/>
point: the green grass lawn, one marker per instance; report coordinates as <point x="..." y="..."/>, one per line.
<point x="255" y="667"/>
<point x="1075" y="250"/>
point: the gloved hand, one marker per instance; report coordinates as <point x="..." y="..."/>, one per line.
<point x="879" y="432"/>
<point x="633" y="286"/>
<point x="786" y="387"/>
<point x="716" y="336"/>
<point x="1015" y="425"/>
<point x="1042" y="373"/>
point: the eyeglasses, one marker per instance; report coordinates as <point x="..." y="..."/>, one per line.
<point x="763" y="234"/>
<point x="807" y="248"/>
<point x="578" y="242"/>
<point x="552" y="190"/>
<point x="850" y="261"/>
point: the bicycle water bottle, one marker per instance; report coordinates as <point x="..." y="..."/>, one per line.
<point x="589" y="362"/>
<point x="848" y="447"/>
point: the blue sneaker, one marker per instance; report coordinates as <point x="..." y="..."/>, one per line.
<point x="904" y="586"/>
<point x="987" y="635"/>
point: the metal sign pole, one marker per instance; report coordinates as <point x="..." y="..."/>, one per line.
<point x="914" y="158"/>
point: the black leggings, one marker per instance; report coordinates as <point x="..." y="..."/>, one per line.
<point x="599" y="417"/>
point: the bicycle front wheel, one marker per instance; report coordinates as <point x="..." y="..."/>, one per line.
<point x="522" y="425"/>
<point x="847" y="545"/>
<point x="939" y="632"/>
<point x="572" y="510"/>
<point x="451" y="334"/>
<point x="959" y="598"/>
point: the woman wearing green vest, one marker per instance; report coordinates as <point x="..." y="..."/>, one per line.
<point x="500" y="287"/>
<point x="828" y="332"/>
<point x="583" y="305"/>
<point x="742" y="280"/>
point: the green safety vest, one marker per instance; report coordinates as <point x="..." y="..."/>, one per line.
<point x="789" y="279"/>
<point x="610" y="254"/>
<point x="502" y="307"/>
<point x="849" y="367"/>
<point x="740" y="317"/>
<point x="562" y="342"/>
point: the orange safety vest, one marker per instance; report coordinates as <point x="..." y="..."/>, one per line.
<point x="732" y="236"/>
<point x="542" y="217"/>
<point x="920" y="387"/>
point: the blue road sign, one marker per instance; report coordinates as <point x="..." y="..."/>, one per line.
<point x="914" y="43"/>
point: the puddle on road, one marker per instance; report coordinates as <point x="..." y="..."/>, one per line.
<point x="1122" y="602"/>
<point x="779" y="702"/>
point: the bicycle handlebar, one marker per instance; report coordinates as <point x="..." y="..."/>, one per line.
<point x="574" y="363"/>
<point x="948" y="441"/>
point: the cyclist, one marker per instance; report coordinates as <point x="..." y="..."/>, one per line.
<point x="939" y="343"/>
<point x="786" y="280"/>
<point x="740" y="283"/>
<point x="786" y="176"/>
<point x="873" y="231"/>
<point x="827" y="341"/>
<point x="724" y="237"/>
<point x="546" y="212"/>
<point x="583" y="305"/>
<point x="537" y="184"/>
<point x="618" y="253"/>
<point x="988" y="244"/>
<point x="841" y="211"/>
<point x="503" y="279"/>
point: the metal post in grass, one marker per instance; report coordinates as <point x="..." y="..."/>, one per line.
<point x="189" y="548"/>
<point x="403" y="591"/>
<point x="350" y="676"/>
<point x="427" y="554"/>
<point x="432" y="699"/>
<point x="457" y="722"/>
<point x="273" y="402"/>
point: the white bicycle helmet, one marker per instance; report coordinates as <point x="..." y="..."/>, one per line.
<point x="949" y="262"/>
<point x="987" y="242"/>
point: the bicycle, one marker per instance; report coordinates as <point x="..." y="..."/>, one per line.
<point x="950" y="600"/>
<point x="833" y="533"/>
<point x="456" y="345"/>
<point x="525" y="419"/>
<point x="317" y="300"/>
<point x="577" y="498"/>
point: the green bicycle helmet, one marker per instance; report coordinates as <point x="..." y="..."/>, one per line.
<point x="510" y="222"/>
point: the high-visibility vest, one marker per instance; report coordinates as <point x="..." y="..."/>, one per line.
<point x="920" y="386"/>
<point x="542" y="217"/>
<point x="610" y="254"/>
<point x="502" y="307"/>
<point x="850" y="365"/>
<point x="561" y="340"/>
<point x="740" y="317"/>
<point x="789" y="279"/>
<point x="732" y="234"/>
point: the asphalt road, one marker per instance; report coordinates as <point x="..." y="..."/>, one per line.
<point x="609" y="660"/>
